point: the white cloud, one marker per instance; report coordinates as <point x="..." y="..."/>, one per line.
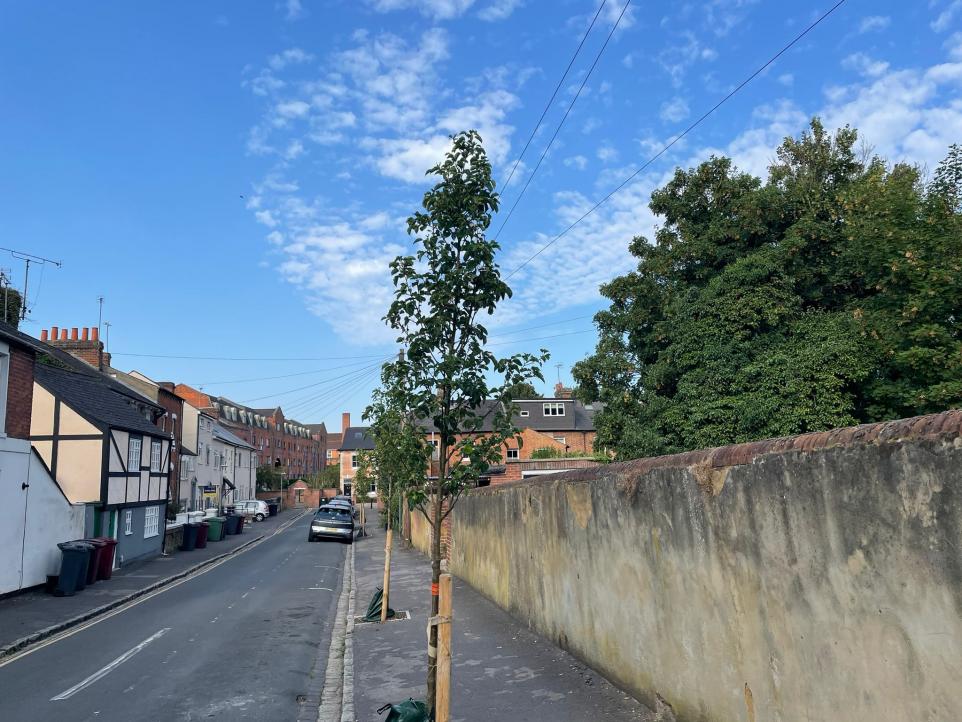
<point x="607" y="153"/>
<point x="292" y="109"/>
<point x="266" y="218"/>
<point x="499" y="10"/>
<point x="293" y="9"/>
<point x="864" y="65"/>
<point x="873" y="23"/>
<point x="944" y="21"/>
<point x="786" y="79"/>
<point x="576" y="161"/>
<point x="435" y="9"/>
<point x="291" y="56"/>
<point x="674" y="110"/>
<point x="954" y="46"/>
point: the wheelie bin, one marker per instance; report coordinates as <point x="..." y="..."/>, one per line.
<point x="230" y="525"/>
<point x="215" y="531"/>
<point x="240" y="525"/>
<point x="189" y="542"/>
<point x="272" y="508"/>
<point x="202" y="531"/>
<point x="75" y="556"/>
<point x="106" y="569"/>
<point x="97" y="549"/>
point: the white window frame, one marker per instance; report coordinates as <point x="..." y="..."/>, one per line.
<point x="560" y="440"/>
<point x="553" y="408"/>
<point x="513" y="454"/>
<point x="151" y="521"/>
<point x="4" y="384"/>
<point x="155" y="445"/>
<point x="355" y="462"/>
<point x="131" y="442"/>
<point x="524" y="412"/>
<point x="128" y="522"/>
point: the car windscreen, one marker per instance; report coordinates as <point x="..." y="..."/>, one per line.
<point x="332" y="513"/>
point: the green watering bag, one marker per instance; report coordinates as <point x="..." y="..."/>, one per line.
<point x="413" y="710"/>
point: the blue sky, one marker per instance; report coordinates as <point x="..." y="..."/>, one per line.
<point x="234" y="177"/>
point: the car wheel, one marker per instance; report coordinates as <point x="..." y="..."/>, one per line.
<point x="310" y="538"/>
<point x="259" y="517"/>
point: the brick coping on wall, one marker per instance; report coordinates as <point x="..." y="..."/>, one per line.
<point x="943" y="425"/>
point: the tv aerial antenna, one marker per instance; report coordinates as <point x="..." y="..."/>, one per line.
<point x="27" y="259"/>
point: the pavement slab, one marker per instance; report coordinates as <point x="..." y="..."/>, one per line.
<point x="500" y="669"/>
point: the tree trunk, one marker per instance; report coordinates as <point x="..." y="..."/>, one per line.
<point x="385" y="597"/>
<point x="435" y="578"/>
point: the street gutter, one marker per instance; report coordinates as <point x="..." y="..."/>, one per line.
<point x="18" y="646"/>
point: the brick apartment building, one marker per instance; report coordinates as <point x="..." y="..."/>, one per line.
<point x="292" y="448"/>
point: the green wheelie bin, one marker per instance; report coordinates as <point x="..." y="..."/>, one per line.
<point x="75" y="556"/>
<point x="216" y="531"/>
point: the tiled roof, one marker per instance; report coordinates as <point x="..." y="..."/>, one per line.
<point x="577" y="416"/>
<point x="94" y="397"/>
<point x="224" y="435"/>
<point x="356" y="438"/>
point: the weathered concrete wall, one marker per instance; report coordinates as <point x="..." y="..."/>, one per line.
<point x="812" y="578"/>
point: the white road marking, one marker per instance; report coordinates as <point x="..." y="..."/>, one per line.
<point x="320" y="588"/>
<point x="244" y="594"/>
<point x="104" y="671"/>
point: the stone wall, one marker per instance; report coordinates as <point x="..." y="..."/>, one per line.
<point x="817" y="577"/>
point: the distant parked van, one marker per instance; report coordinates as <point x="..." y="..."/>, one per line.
<point x="252" y="507"/>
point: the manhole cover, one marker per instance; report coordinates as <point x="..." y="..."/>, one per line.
<point x="399" y="615"/>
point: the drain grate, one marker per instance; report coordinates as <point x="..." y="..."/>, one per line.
<point x="399" y="616"/>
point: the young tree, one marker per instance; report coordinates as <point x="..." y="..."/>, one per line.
<point x="400" y="457"/>
<point x="441" y="293"/>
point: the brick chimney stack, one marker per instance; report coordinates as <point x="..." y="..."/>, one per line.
<point x="345" y="421"/>
<point x="561" y="391"/>
<point x="82" y="343"/>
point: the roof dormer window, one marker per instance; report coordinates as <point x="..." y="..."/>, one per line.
<point x="553" y="408"/>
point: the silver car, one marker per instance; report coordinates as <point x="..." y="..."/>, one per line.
<point x="252" y="507"/>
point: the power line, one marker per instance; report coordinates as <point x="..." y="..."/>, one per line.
<point x="562" y="121"/>
<point x="313" y="399"/>
<point x="553" y="95"/>
<point x="245" y="358"/>
<point x="542" y="338"/>
<point x="677" y="138"/>
<point x="350" y="392"/>
<point x="310" y="386"/>
<point x="543" y="325"/>
<point x="281" y="376"/>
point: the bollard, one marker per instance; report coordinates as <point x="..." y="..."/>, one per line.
<point x="387" y="575"/>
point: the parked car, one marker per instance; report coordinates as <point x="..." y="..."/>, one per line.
<point x="252" y="507"/>
<point x="343" y="505"/>
<point x="343" y="497"/>
<point x="332" y="522"/>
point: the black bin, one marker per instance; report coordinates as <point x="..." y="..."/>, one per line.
<point x="232" y="525"/>
<point x="190" y="537"/>
<point x="74" y="560"/>
<point x="272" y="508"/>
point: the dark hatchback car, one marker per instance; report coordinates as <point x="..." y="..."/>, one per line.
<point x="332" y="522"/>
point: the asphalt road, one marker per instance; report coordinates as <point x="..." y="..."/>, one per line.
<point x="236" y="642"/>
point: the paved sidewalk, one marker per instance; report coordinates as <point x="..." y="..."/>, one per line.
<point x="500" y="669"/>
<point x="28" y="613"/>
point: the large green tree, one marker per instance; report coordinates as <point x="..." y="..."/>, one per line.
<point x="442" y="294"/>
<point x="827" y="295"/>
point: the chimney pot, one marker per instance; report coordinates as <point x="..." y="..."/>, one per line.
<point x="63" y="334"/>
<point x="54" y="333"/>
<point x="84" y="335"/>
<point x="94" y="334"/>
<point x="74" y="334"/>
<point x="43" y="335"/>
<point x="345" y="421"/>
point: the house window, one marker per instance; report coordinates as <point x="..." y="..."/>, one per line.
<point x="436" y="450"/>
<point x="330" y="454"/>
<point x="155" y="455"/>
<point x="4" y="378"/>
<point x="524" y="412"/>
<point x="133" y="455"/>
<point x="129" y="521"/>
<point x="151" y="521"/>
<point x="512" y="454"/>
<point x="208" y="456"/>
<point x="560" y="440"/>
<point x="555" y="408"/>
<point x="354" y="461"/>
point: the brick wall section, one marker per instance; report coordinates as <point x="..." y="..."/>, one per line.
<point x="19" y="393"/>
